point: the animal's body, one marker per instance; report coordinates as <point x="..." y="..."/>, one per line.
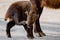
<point x="38" y="5"/>
<point x="23" y="13"/>
<point x="17" y="15"/>
<point x="18" y="11"/>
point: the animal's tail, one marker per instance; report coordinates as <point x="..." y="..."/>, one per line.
<point x="6" y="16"/>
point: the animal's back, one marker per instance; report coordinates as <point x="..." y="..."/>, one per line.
<point x="51" y="3"/>
<point x="17" y="8"/>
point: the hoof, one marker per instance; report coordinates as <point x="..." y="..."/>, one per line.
<point x="31" y="37"/>
<point x="9" y="36"/>
<point x="41" y="34"/>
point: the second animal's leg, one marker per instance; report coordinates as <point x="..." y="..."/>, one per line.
<point x="38" y="28"/>
<point x="9" y="26"/>
<point x="37" y="25"/>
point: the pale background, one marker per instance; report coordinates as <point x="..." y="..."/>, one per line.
<point x="50" y="24"/>
<point x="48" y="15"/>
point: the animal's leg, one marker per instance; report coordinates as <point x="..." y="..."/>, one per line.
<point x="9" y="26"/>
<point x="37" y="25"/>
<point x="38" y="28"/>
<point x="29" y="30"/>
<point x="29" y="22"/>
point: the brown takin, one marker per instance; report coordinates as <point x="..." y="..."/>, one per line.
<point x="38" y="6"/>
<point x="23" y="13"/>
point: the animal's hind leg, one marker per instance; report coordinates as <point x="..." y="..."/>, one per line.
<point x="10" y="24"/>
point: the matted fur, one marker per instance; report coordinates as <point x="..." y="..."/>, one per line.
<point x="40" y="4"/>
<point x="16" y="14"/>
<point x="52" y="3"/>
<point x="21" y="6"/>
<point x="48" y="3"/>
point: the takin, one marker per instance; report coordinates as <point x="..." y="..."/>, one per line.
<point x="38" y="6"/>
<point x="23" y="13"/>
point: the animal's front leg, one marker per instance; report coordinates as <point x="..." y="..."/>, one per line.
<point x="37" y="28"/>
<point x="29" y="30"/>
<point x="30" y="26"/>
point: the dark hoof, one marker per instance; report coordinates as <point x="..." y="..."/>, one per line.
<point x="41" y="34"/>
<point x="9" y="36"/>
<point x="31" y="37"/>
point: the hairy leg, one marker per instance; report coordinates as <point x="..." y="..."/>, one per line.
<point x="30" y="20"/>
<point x="37" y="27"/>
<point x="29" y="30"/>
<point x="9" y="26"/>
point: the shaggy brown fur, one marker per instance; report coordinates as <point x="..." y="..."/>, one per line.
<point x="38" y="6"/>
<point x="53" y="3"/>
<point x="17" y="15"/>
<point x="17" y="10"/>
<point x="18" y="6"/>
<point x="48" y="3"/>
